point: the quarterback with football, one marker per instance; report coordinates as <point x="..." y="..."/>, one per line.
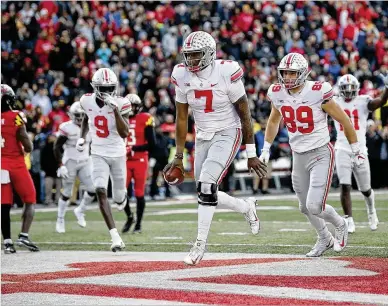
<point x="304" y="106"/>
<point x="106" y="120"/>
<point x="73" y="164"/>
<point x="214" y="91"/>
<point x="357" y="107"/>
<point x="14" y="173"/>
<point x="140" y="141"/>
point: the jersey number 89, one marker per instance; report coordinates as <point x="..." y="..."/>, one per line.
<point x="303" y="114"/>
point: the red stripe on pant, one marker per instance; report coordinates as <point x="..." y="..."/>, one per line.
<point x="329" y="175"/>
<point x="236" y="146"/>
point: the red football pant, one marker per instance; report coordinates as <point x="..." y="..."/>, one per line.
<point x="137" y="169"/>
<point x="20" y="180"/>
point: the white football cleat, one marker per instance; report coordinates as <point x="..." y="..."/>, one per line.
<point x="351" y="225"/>
<point x="373" y="221"/>
<point x="251" y="216"/>
<point x="117" y="245"/>
<point x="196" y="253"/>
<point x="60" y="226"/>
<point x="341" y="236"/>
<point x="80" y="216"/>
<point x="321" y="246"/>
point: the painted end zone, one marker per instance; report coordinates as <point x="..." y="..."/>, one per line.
<point x="162" y="278"/>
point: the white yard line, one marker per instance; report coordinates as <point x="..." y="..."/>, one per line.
<point x="209" y="244"/>
<point x="186" y="199"/>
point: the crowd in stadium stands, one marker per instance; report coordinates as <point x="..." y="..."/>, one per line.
<point x="50" y="50"/>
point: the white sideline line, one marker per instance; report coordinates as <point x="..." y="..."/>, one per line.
<point x="187" y="199"/>
<point x="209" y="244"/>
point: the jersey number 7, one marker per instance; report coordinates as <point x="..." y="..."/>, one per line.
<point x="208" y="94"/>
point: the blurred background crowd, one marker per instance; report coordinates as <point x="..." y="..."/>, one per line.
<point x="50" y="50"/>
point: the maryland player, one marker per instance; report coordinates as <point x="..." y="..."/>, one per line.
<point x="216" y="94"/>
<point x="106" y="119"/>
<point x="73" y="164"/>
<point x="357" y="107"/>
<point x="304" y="106"/>
<point x="140" y="141"/>
<point x="14" y="143"/>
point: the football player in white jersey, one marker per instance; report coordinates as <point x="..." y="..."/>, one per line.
<point x="73" y="164"/>
<point x="106" y="120"/>
<point x="357" y="107"/>
<point x="214" y="91"/>
<point x="304" y="106"/>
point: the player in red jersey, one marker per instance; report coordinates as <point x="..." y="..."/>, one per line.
<point x="140" y="141"/>
<point x="14" y="173"/>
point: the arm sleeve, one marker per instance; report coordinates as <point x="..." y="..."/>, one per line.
<point x="149" y="134"/>
<point x="233" y="75"/>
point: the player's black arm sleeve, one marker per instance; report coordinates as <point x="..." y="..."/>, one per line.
<point x="85" y="126"/>
<point x="378" y="102"/>
<point x="58" y="147"/>
<point x="243" y="111"/>
<point x="149" y="133"/>
<point x="22" y="136"/>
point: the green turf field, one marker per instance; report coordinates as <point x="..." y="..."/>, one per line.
<point x="283" y="230"/>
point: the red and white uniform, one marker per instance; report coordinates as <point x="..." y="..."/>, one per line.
<point x="106" y="141"/>
<point x="358" y="112"/>
<point x="77" y="163"/>
<point x="313" y="155"/>
<point x="303" y="115"/>
<point x="13" y="168"/>
<point x="108" y="150"/>
<point x="211" y="94"/>
<point x="137" y="162"/>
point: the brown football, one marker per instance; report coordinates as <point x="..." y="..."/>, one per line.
<point x="174" y="176"/>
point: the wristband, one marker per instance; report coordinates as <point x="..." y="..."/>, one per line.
<point x="251" y="150"/>
<point x="355" y="147"/>
<point x="266" y="146"/>
<point x="179" y="155"/>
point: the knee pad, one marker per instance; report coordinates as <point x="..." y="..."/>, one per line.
<point x="120" y="197"/>
<point x="64" y="198"/>
<point x="366" y="193"/>
<point x="207" y="194"/>
<point x="314" y="208"/>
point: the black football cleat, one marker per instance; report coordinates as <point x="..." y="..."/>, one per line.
<point x="128" y="224"/>
<point x="9" y="248"/>
<point x="137" y="229"/>
<point x="23" y="241"/>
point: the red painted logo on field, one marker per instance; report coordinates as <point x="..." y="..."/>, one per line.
<point x="375" y="283"/>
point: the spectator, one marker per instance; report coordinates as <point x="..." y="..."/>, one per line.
<point x="42" y="100"/>
<point x="50" y="166"/>
<point x="374" y="143"/>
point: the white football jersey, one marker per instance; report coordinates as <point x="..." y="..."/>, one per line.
<point x="106" y="141"/>
<point x="357" y="110"/>
<point x="211" y="94"/>
<point x="303" y="114"/>
<point x="73" y="132"/>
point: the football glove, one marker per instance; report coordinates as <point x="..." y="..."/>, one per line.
<point x="80" y="146"/>
<point x="63" y="172"/>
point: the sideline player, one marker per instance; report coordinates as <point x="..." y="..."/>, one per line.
<point x="106" y="117"/>
<point x="14" y="143"/>
<point x="304" y="106"/>
<point x="216" y="94"/>
<point x="73" y="164"/>
<point x="357" y="107"/>
<point x="140" y="141"/>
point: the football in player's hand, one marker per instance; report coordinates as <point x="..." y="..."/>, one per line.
<point x="174" y="176"/>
